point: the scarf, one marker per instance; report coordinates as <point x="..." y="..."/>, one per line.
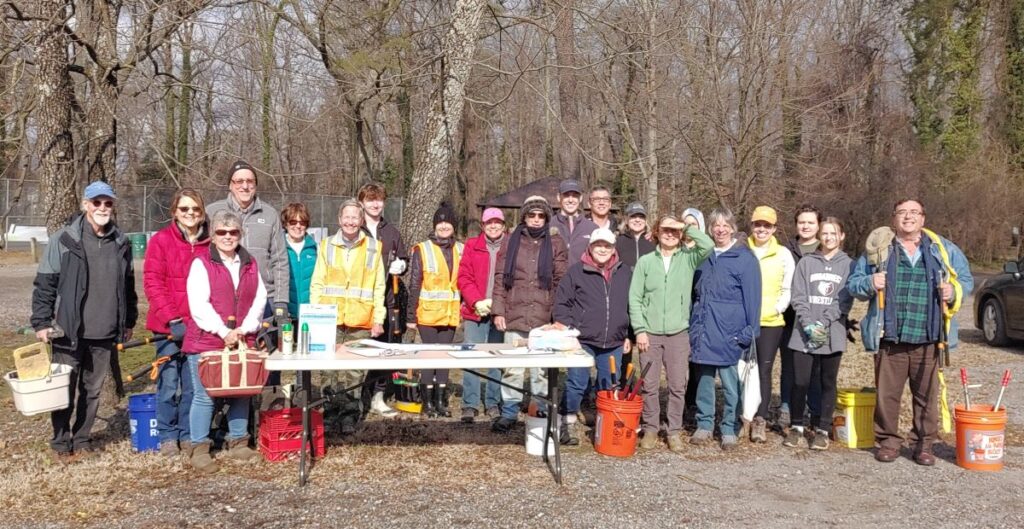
<point x="545" y="261"/>
<point x="606" y="270"/>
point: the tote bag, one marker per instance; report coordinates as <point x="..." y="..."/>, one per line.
<point x="750" y="383"/>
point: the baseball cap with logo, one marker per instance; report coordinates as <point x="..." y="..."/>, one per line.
<point x="98" y="188"/>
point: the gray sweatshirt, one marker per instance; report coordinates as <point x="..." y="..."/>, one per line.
<point x="819" y="294"/>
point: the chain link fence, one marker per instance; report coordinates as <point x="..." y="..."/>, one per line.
<point x="146" y="208"/>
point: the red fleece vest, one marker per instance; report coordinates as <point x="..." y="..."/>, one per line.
<point x="225" y="298"/>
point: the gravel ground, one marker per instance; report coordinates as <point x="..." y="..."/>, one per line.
<point x="415" y="473"/>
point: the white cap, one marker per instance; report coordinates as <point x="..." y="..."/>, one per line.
<point x="602" y="234"/>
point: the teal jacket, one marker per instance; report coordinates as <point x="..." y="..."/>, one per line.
<point x="659" y="301"/>
<point x="300" y="271"/>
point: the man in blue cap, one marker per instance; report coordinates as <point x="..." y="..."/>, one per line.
<point x="84" y="301"/>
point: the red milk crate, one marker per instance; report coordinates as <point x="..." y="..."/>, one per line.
<point x="281" y="433"/>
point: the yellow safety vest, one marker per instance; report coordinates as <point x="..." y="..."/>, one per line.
<point x="350" y="285"/>
<point x="439" y="302"/>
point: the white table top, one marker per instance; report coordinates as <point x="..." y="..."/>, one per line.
<point x="425" y="358"/>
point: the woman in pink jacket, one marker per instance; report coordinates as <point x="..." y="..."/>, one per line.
<point x="168" y="258"/>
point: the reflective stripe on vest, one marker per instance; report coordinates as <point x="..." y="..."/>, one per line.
<point x="439" y="301"/>
<point x="351" y="290"/>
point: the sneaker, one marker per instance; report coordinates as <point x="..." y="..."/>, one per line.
<point x="169" y="449"/>
<point x="729" y="442"/>
<point x="649" y="441"/>
<point x="757" y="430"/>
<point x="793" y="438"/>
<point x="675" y="443"/>
<point x="700" y="437"/>
<point x="820" y="441"/>
<point x="468" y="415"/>
<point x="502" y="425"/>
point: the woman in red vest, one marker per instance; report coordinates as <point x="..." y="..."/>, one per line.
<point x="223" y="284"/>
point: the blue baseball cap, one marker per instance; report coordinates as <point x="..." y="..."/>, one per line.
<point x="99" y="188"/>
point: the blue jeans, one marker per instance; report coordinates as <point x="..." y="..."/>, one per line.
<point x="173" y="406"/>
<point x="202" y="410"/>
<point x="578" y="378"/>
<point x="481" y="332"/>
<point x="706" y="398"/>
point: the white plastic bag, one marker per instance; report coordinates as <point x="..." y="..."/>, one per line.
<point x="750" y="383"/>
<point x="549" y="339"/>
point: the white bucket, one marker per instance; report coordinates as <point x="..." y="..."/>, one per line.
<point x="42" y="394"/>
<point x="535" y="427"/>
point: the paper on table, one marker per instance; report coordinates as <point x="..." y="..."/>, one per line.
<point x="406" y="347"/>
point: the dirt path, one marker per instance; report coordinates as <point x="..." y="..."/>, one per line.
<point x="413" y="473"/>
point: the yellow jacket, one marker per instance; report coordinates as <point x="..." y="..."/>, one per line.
<point x="351" y="278"/>
<point x="777" y="267"/>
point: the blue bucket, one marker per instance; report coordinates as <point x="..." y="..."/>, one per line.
<point x="142" y="416"/>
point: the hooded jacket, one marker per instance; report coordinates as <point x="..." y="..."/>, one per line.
<point x="261" y="226"/>
<point x="599" y="308"/>
<point x="169" y="257"/>
<point x="726" y="314"/>
<point x="62" y="278"/>
<point x="820" y="295"/>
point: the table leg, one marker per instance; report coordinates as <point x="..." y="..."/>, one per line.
<point x="553" y="427"/>
<point x="306" y="378"/>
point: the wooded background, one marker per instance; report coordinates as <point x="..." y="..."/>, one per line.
<point x="846" y="104"/>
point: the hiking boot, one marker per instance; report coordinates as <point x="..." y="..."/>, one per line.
<point x="886" y="454"/>
<point x="793" y="438"/>
<point x="379" y="407"/>
<point x="502" y="425"/>
<point x="783" y="420"/>
<point x="200" y="458"/>
<point x="820" y="441"/>
<point x="238" y="449"/>
<point x="757" y="430"/>
<point x="675" y="443"/>
<point x="649" y="440"/>
<point x="169" y="448"/>
<point x="700" y="437"/>
<point x="566" y="438"/>
<point x="729" y="442"/>
<point x="493" y="412"/>
<point x="468" y="415"/>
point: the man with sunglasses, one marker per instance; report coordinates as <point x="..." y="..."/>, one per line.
<point x="88" y="268"/>
<point x="261" y="228"/>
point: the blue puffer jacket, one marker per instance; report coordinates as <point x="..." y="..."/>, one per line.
<point x="859" y="285"/>
<point x="726" y="314"/>
<point x="300" y="270"/>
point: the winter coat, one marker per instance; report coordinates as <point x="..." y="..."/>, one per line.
<point x="527" y="305"/>
<point x="598" y="308"/>
<point x="577" y="240"/>
<point x="726" y="314"/>
<point x="63" y="275"/>
<point x="631" y="249"/>
<point x="392" y="247"/>
<point x="300" y="273"/>
<point x="820" y="295"/>
<point x="659" y="302"/>
<point x="261" y="226"/>
<point x="861" y="287"/>
<point x="474" y="272"/>
<point x="169" y="256"/>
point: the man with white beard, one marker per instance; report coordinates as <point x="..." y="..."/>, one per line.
<point x="84" y="300"/>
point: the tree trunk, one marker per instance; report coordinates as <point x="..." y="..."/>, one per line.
<point x="568" y="107"/>
<point x="53" y="115"/>
<point x="430" y="182"/>
<point x="99" y="28"/>
<point x="185" y="99"/>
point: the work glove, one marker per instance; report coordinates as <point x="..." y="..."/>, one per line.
<point x="817" y="334"/>
<point x="482" y="307"/>
<point x="397" y="267"/>
<point x="177" y="330"/>
<point x="851" y="329"/>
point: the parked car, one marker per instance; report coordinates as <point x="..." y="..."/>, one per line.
<point x="999" y="305"/>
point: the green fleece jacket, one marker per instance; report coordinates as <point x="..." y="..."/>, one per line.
<point x="659" y="301"/>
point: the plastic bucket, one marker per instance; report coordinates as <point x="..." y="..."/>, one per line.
<point x="41" y="395"/>
<point x="535" y="427"/>
<point x="617" y="424"/>
<point x="142" y="417"/>
<point x="980" y="437"/>
<point x="854" y="426"/>
<point x="138" y="241"/>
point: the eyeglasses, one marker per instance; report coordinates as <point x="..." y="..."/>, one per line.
<point x="186" y="209"/>
<point x="909" y="213"/>
<point x="535" y="215"/>
<point x="105" y="203"/>
<point x="601" y="199"/>
<point x="296" y="222"/>
<point x="227" y="233"/>
<point x="243" y="182"/>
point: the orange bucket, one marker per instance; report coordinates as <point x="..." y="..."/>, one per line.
<point x="617" y="424"/>
<point x="980" y="437"/>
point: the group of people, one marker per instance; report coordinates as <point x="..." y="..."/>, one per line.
<point x="681" y="294"/>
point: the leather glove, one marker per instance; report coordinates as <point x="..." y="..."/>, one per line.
<point x="397" y="267"/>
<point x="177" y="330"/>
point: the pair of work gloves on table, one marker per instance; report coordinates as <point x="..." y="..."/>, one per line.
<point x="482" y="308"/>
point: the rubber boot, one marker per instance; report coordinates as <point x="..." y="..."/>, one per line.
<point x="427" y="398"/>
<point x="441" y="401"/>
<point x="379" y="407"/>
<point x="200" y="458"/>
<point x="238" y="449"/>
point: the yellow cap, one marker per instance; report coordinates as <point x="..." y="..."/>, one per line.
<point x="764" y="214"/>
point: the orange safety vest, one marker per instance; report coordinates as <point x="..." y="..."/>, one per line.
<point x="439" y="294"/>
<point x="351" y="290"/>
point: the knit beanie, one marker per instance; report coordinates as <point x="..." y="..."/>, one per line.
<point x="238" y="166"/>
<point x="535" y="203"/>
<point x="445" y="213"/>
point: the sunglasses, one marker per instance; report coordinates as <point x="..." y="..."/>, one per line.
<point x="298" y="223"/>
<point x="534" y="215"/>
<point x="186" y="209"/>
<point x="229" y="233"/>
<point x="107" y="203"/>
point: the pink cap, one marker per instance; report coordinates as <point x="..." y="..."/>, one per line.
<point x="492" y="213"/>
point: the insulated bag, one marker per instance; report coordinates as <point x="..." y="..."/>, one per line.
<point x="233" y="373"/>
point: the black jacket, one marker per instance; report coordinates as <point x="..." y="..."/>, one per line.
<point x="64" y="274"/>
<point x="391" y="248"/>
<point x="599" y="309"/>
<point x="630" y="248"/>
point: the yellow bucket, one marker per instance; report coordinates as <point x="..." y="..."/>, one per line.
<point x="854" y="422"/>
